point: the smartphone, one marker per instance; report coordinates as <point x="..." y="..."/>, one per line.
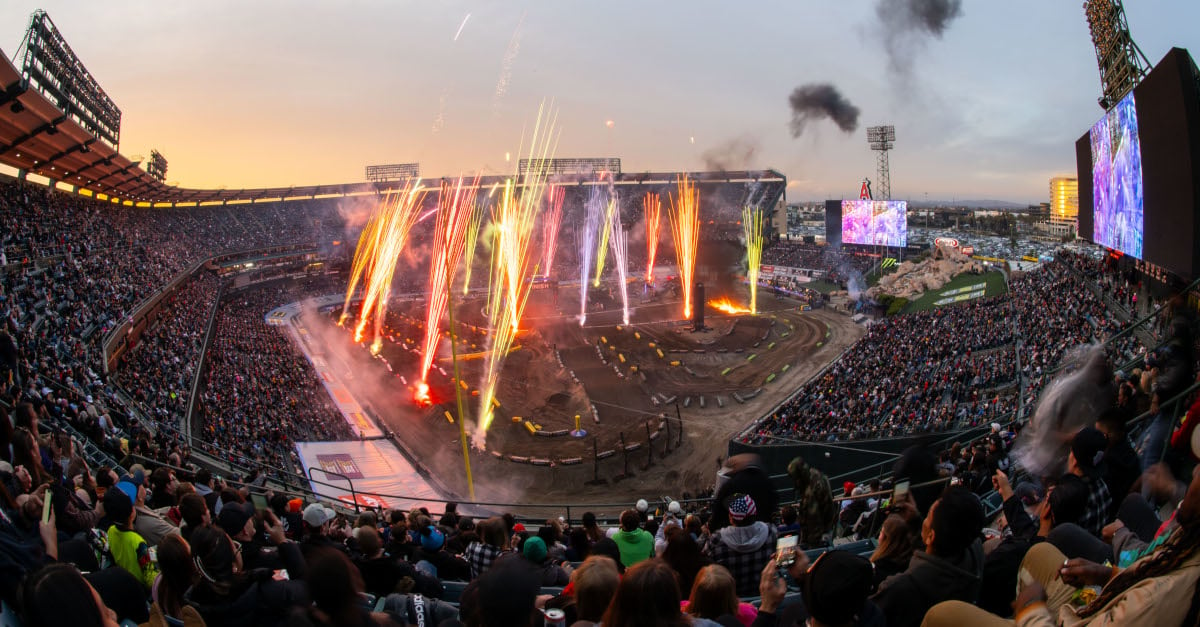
<point x="46" y="506"/>
<point x="260" y="501"/>
<point x="900" y="490"/>
<point x="280" y="575"/>
<point x="785" y="550"/>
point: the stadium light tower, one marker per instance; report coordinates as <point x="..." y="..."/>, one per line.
<point x="1122" y="64"/>
<point x="882" y="139"/>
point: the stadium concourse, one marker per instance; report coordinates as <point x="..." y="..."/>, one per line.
<point x="119" y="454"/>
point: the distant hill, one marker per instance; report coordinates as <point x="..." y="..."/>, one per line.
<point x="1001" y="205"/>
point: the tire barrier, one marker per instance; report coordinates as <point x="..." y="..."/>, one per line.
<point x="720" y="402"/>
<point x="518" y="459"/>
<point x="554" y="434"/>
<point x="701" y="402"/>
<point x="539" y="462"/>
<point x="687" y="402"/>
<point x="605" y="454"/>
<point x="571" y="461"/>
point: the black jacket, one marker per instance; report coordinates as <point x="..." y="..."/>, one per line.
<point x="928" y="581"/>
<point x="259" y="602"/>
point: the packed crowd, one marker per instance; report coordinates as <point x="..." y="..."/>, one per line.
<point x="932" y="370"/>
<point x="159" y="372"/>
<point x="794" y="254"/>
<point x="261" y="395"/>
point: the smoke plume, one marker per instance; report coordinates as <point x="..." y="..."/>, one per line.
<point x="732" y="154"/>
<point x="821" y="100"/>
<point x="907" y="23"/>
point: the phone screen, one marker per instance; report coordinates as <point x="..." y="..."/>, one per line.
<point x="260" y="501"/>
<point x="785" y="550"/>
<point x="901" y="489"/>
<point x="46" y="506"/>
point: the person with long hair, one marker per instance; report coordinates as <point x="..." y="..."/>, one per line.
<point x="648" y="596"/>
<point x="684" y="556"/>
<point x="1160" y="588"/>
<point x="176" y="573"/>
<point x="27" y="454"/>
<point x="714" y="596"/>
<point x="895" y="548"/>
<point x="224" y="594"/>
<point x="57" y="594"/>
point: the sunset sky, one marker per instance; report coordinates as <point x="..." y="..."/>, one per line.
<point x="252" y="94"/>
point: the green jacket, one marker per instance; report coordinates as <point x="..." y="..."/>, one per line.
<point x="635" y="546"/>
<point x="132" y="553"/>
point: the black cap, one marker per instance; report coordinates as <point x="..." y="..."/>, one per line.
<point x="837" y="586"/>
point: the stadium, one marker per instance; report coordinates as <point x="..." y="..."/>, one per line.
<point x="472" y="399"/>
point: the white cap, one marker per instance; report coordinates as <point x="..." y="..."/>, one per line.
<point x="642" y="505"/>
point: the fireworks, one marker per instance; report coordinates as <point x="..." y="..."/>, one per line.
<point x="620" y="257"/>
<point x="455" y="209"/>
<point x="591" y="226"/>
<point x="653" y="209"/>
<point x="684" y="211"/>
<point x="473" y="225"/>
<point x="727" y="306"/>
<point x="514" y="217"/>
<point x="379" y="247"/>
<point x="752" y="226"/>
<point x="605" y="233"/>
<point x="551" y="223"/>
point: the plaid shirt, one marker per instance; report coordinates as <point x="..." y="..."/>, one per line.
<point x="746" y="567"/>
<point x="480" y="556"/>
<point x="1099" y="503"/>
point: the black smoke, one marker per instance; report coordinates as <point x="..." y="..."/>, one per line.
<point x="821" y="100"/>
<point x="906" y="24"/>
<point x="732" y="154"/>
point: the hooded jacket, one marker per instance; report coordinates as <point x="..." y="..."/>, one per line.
<point x="929" y="580"/>
<point x="744" y="551"/>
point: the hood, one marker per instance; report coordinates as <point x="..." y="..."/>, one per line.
<point x="937" y="577"/>
<point x="745" y="539"/>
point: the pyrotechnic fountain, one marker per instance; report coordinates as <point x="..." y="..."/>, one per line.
<point x="455" y="208"/>
<point x="619" y="242"/>
<point x="684" y="210"/>
<point x="752" y="226"/>
<point x="379" y="247"/>
<point x="591" y="226"/>
<point x="605" y="233"/>
<point x="473" y="227"/>
<point x="551" y="223"/>
<point x="653" y="209"/>
<point x="514" y="216"/>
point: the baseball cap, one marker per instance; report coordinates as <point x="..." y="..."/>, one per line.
<point x="837" y="586"/>
<point x="233" y="517"/>
<point x="316" y="515"/>
<point x="741" y="506"/>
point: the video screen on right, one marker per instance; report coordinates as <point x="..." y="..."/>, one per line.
<point x="1117" y="180"/>
<point x="1139" y="170"/>
<point x="875" y="222"/>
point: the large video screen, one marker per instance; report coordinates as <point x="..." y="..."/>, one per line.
<point x="875" y="222"/>
<point x="1117" y="196"/>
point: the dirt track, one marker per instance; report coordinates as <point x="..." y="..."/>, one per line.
<point x="535" y="388"/>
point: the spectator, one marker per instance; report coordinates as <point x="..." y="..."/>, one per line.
<point x="636" y="544"/>
<point x="503" y="596"/>
<point x="58" y="595"/>
<point x="745" y="547"/>
<point x="1087" y="453"/>
<point x="225" y="594"/>
<point x="816" y="502"/>
<point x="177" y="573"/>
<point x="684" y="556"/>
<point x="950" y="567"/>
<point x="595" y="583"/>
<point x="128" y="548"/>
<point x="551" y="574"/>
<point x="895" y="548"/>
<point x="648" y="596"/>
<point x="1120" y="462"/>
<point x="492" y="543"/>
<point x="334" y="588"/>
<point x="713" y="597"/>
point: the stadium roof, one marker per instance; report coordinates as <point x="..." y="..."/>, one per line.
<point x="35" y="136"/>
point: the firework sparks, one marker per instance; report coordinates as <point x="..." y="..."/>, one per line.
<point x="619" y="242"/>
<point x="653" y="207"/>
<point x="512" y="268"/>
<point x="551" y="223"/>
<point x="379" y="247"/>
<point x="462" y="26"/>
<point x="506" y="65"/>
<point x="752" y="225"/>
<point x="591" y="226"/>
<point x="684" y="211"/>
<point x="455" y="209"/>
<point x="727" y="306"/>
<point x="605" y="232"/>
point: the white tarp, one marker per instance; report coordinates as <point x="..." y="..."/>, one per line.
<point x="380" y="475"/>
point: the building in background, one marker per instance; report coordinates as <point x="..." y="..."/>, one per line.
<point x="1064" y="207"/>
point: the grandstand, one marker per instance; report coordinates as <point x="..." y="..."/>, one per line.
<point x="173" y="352"/>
